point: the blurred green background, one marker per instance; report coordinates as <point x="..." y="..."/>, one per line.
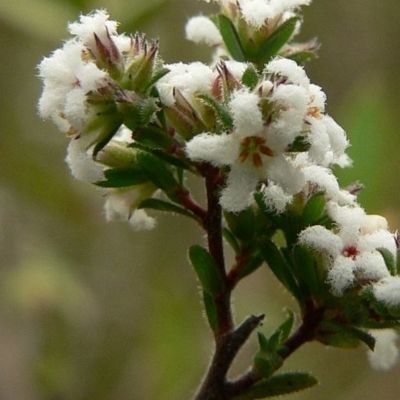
<point x="91" y="310"/>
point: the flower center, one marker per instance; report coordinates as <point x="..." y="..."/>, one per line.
<point x="350" y="251"/>
<point x="251" y="148"/>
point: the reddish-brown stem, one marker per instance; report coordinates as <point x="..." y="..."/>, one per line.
<point x="191" y="205"/>
<point x="213" y="227"/>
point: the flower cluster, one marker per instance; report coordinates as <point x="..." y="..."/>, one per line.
<point x="355" y="250"/>
<point x="90" y="86"/>
<point x="255" y="128"/>
<point x="255" y="22"/>
<point x="280" y="138"/>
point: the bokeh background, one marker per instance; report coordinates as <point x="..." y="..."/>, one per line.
<point x="91" y="310"/>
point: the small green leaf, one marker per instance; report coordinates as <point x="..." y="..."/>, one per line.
<point x="153" y="136"/>
<point x="231" y="239"/>
<point x="105" y="137"/>
<point x="314" y="208"/>
<point x="266" y="363"/>
<point x="278" y="265"/>
<point x="279" y="384"/>
<point x="302" y="57"/>
<point x="156" y="77"/>
<point x="250" y="77"/>
<point x="220" y="111"/>
<point x="231" y="38"/>
<point x="158" y="172"/>
<point x="161" y="154"/>
<point x="263" y="342"/>
<point x="206" y="270"/>
<point x="122" y="177"/>
<point x="276" y="41"/>
<point x="389" y="260"/>
<point x="255" y="261"/>
<point x="338" y="335"/>
<point x="161" y="205"/>
<point x="242" y="224"/>
<point x="365" y="337"/>
<point x="299" y="145"/>
<point x="281" y="333"/>
<point x="307" y="272"/>
<point x="211" y="311"/>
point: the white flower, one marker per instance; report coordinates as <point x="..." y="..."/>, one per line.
<point x="92" y="25"/>
<point x="258" y="12"/>
<point x="323" y="178"/>
<point x="81" y="162"/>
<point x="248" y="152"/>
<point x="67" y="78"/>
<point x="121" y="205"/>
<point x="187" y="78"/>
<point x="352" y="256"/>
<point x="201" y="29"/>
<point x="386" y="352"/>
<point x="387" y="291"/>
<point x="289" y="69"/>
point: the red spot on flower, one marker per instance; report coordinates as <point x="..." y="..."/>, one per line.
<point x="350" y="251"/>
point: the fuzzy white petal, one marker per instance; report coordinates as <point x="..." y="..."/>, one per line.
<point x="201" y="29"/>
<point x="217" y="149"/>
<point x="321" y="239"/>
<point x="341" y="275"/>
<point x="246" y="113"/>
<point x="275" y="198"/>
<point x="385" y="352"/>
<point x="289" y="69"/>
<point x="387" y="291"/>
<point x="81" y="164"/>
<point x="237" y="195"/>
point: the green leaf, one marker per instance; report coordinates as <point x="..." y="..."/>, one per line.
<point x="161" y="154"/>
<point x="122" y="177"/>
<point x="279" y="384"/>
<point x="338" y="335"/>
<point x="365" y="337"/>
<point x="302" y="57"/>
<point x="307" y="272"/>
<point x="389" y="260"/>
<point x="250" y="77"/>
<point x="266" y="363"/>
<point x="222" y="113"/>
<point x="158" y="172"/>
<point x="231" y="38"/>
<point x="153" y="136"/>
<point x="255" y="261"/>
<point x="278" y="265"/>
<point x="263" y="342"/>
<point x="231" y="239"/>
<point x="161" y="205"/>
<point x="242" y="224"/>
<point x="276" y="41"/>
<point x="156" y="77"/>
<point x="281" y="333"/>
<point x="299" y="145"/>
<point x="206" y="270"/>
<point x="314" y="208"/>
<point x="104" y="138"/>
<point x="277" y="219"/>
<point x="211" y="311"/>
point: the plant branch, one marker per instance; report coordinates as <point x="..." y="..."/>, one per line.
<point x="213" y="227"/>
<point x="214" y="386"/>
<point x="304" y="333"/>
